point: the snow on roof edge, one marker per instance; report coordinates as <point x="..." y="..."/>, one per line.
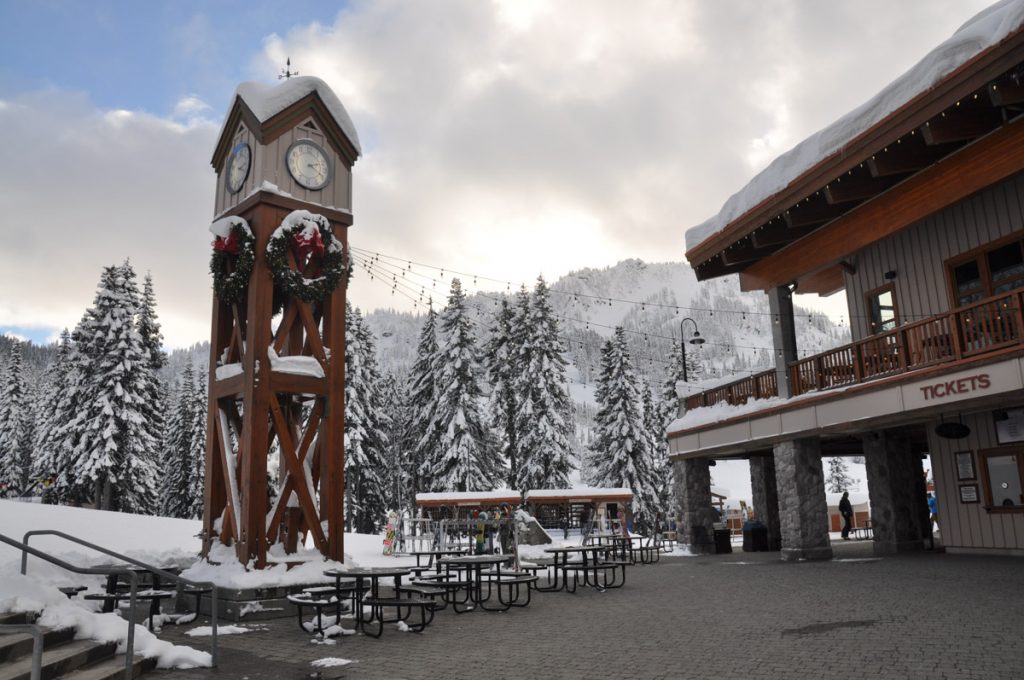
<point x="496" y="494"/>
<point x="984" y="30"/>
<point x="267" y="100"/>
<point x="578" y="492"/>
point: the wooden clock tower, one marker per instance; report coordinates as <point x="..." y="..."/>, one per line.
<point x="277" y="345"/>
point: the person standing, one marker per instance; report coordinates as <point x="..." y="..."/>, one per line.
<point x="933" y="510"/>
<point x="846" y="510"/>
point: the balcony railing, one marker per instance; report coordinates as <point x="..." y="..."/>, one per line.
<point x="964" y="333"/>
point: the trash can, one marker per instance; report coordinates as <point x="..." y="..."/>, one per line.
<point x="755" y="536"/>
<point x="723" y="541"/>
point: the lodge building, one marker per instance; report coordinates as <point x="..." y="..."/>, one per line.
<point x="913" y="205"/>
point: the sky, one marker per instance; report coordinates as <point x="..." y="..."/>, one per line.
<point x="505" y="138"/>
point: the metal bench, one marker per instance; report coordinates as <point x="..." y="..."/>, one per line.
<point x="378" y="604"/>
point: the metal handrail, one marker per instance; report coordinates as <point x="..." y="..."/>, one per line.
<point x="133" y="580"/>
<point x="37" y="643"/>
<point x="139" y="563"/>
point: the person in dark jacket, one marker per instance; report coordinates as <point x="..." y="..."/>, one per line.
<point x="846" y="510"/>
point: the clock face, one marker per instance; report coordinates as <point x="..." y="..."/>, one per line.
<point x="238" y="167"/>
<point x="308" y="164"/>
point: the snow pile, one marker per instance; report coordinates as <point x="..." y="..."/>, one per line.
<point x="578" y="492"/>
<point x="329" y="661"/>
<point x="222" y="228"/>
<point x="295" y="365"/>
<point x="228" y="371"/>
<point x="266" y="101"/>
<point x="207" y="631"/>
<point x="22" y="593"/>
<point x="715" y="413"/>
<point x="986" y="29"/>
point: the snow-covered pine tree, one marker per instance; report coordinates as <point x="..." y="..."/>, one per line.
<point x="113" y="448"/>
<point x="423" y="435"/>
<point x="658" y="446"/>
<point x="15" y="426"/>
<point x="621" y="447"/>
<point x="502" y="370"/>
<point x="197" y="445"/>
<point x="395" y="406"/>
<point x="467" y="454"/>
<point x="838" y="478"/>
<point x="50" y="420"/>
<point x="175" y="491"/>
<point x="542" y="422"/>
<point x="365" y="429"/>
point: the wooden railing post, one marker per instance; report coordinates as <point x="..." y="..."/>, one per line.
<point x="901" y="349"/>
<point x="819" y="368"/>
<point x="858" y="362"/>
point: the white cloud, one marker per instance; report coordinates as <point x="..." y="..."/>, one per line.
<point x="502" y="138"/>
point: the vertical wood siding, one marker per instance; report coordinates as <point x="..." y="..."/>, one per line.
<point x="917" y="254"/>
<point x="968" y="524"/>
<point x="268" y="164"/>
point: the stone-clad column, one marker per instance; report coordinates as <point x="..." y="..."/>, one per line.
<point x="692" y="481"/>
<point x="766" y="497"/>
<point x="803" y="511"/>
<point x="896" y="488"/>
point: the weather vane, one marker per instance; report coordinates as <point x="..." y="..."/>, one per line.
<point x="287" y="71"/>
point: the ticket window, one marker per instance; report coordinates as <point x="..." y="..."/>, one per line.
<point x="1004" y="477"/>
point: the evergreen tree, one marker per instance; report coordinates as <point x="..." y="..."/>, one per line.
<point x="175" y="496"/>
<point x="197" y="445"/>
<point x="501" y="355"/>
<point x="659" y="448"/>
<point x="365" y="429"/>
<point x="112" y="446"/>
<point x="396" y="409"/>
<point x="15" y="425"/>
<point x="422" y="434"/>
<point x="838" y="478"/>
<point x="621" y="453"/>
<point x="542" y="417"/>
<point x="54" y="436"/>
<point x="466" y="458"/>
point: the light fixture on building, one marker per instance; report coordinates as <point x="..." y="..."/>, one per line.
<point x="695" y="340"/>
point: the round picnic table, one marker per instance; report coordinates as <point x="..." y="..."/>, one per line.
<point x="373" y="574"/>
<point x="589" y="553"/>
<point x="474" y="565"/>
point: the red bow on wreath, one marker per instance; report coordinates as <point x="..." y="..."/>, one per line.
<point x="311" y="247"/>
<point x="228" y="245"/>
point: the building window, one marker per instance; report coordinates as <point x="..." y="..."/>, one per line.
<point x="993" y="269"/>
<point x="1003" y="476"/>
<point x="882" y="309"/>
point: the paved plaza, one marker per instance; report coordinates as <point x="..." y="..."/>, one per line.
<point x="744" y="615"/>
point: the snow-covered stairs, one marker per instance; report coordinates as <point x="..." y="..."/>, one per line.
<point x="63" y="656"/>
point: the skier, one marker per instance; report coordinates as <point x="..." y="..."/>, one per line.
<point x="933" y="511"/>
<point x="846" y="510"/>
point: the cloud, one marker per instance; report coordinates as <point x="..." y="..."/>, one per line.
<point x="189" y="106"/>
<point x="84" y="188"/>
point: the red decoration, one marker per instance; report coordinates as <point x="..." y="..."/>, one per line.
<point x="311" y="247"/>
<point x="228" y="245"/>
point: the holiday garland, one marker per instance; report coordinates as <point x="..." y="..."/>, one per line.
<point x="234" y="241"/>
<point x="311" y="241"/>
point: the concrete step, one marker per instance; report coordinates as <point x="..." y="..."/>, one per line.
<point x="111" y="669"/>
<point x="61" y="659"/>
<point x="20" y="644"/>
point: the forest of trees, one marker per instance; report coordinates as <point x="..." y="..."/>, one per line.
<point x="110" y="423"/>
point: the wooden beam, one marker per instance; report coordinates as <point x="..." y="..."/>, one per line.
<point x="814" y="212"/>
<point x="981" y="164"/>
<point x="909" y="156"/>
<point x="857" y="187"/>
<point x="779" y="232"/>
<point x="716" y="267"/>
<point x="1006" y="93"/>
<point x="961" y="124"/>
<point x="747" y="252"/>
<point x="824" y="282"/>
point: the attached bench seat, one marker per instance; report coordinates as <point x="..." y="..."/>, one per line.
<point x="400" y="604"/>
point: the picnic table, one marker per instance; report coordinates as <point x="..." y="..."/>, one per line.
<point x="376" y="603"/>
<point x="590" y="566"/>
<point x="434" y="554"/>
<point x="473" y="567"/>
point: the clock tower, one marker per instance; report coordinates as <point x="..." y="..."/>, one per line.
<point x="277" y="344"/>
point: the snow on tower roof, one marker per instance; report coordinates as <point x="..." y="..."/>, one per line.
<point x="266" y="101"/>
<point x="986" y="29"/>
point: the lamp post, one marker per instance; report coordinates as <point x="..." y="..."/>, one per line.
<point x="695" y="340"/>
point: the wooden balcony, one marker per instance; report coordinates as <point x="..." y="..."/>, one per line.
<point x="965" y="333"/>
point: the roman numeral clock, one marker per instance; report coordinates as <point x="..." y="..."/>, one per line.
<point x="279" y="261"/>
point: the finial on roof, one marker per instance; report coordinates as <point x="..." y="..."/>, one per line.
<point x="287" y="71"/>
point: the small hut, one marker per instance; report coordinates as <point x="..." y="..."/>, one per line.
<point x="462" y="504"/>
<point x="572" y="508"/>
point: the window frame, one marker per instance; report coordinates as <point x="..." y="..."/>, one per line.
<point x="869" y="307"/>
<point x="980" y="256"/>
<point x="986" y="484"/>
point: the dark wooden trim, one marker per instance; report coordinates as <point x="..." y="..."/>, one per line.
<point x="986" y="484"/>
<point x="978" y="165"/>
<point x="874" y="292"/>
<point x="976" y="254"/>
<point x="824" y="283"/>
<point x="970" y="77"/>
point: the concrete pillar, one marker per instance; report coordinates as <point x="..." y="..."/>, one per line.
<point x="766" y="497"/>
<point x="780" y="303"/>
<point x="692" y="481"/>
<point x="803" y="511"/>
<point x="896" y="488"/>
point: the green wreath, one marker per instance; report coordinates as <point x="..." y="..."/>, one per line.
<point x="311" y="241"/>
<point x="234" y="243"/>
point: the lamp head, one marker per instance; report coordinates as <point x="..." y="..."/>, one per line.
<point x="696" y="339"/>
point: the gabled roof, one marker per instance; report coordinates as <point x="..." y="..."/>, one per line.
<point x="270" y="110"/>
<point x="964" y="89"/>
